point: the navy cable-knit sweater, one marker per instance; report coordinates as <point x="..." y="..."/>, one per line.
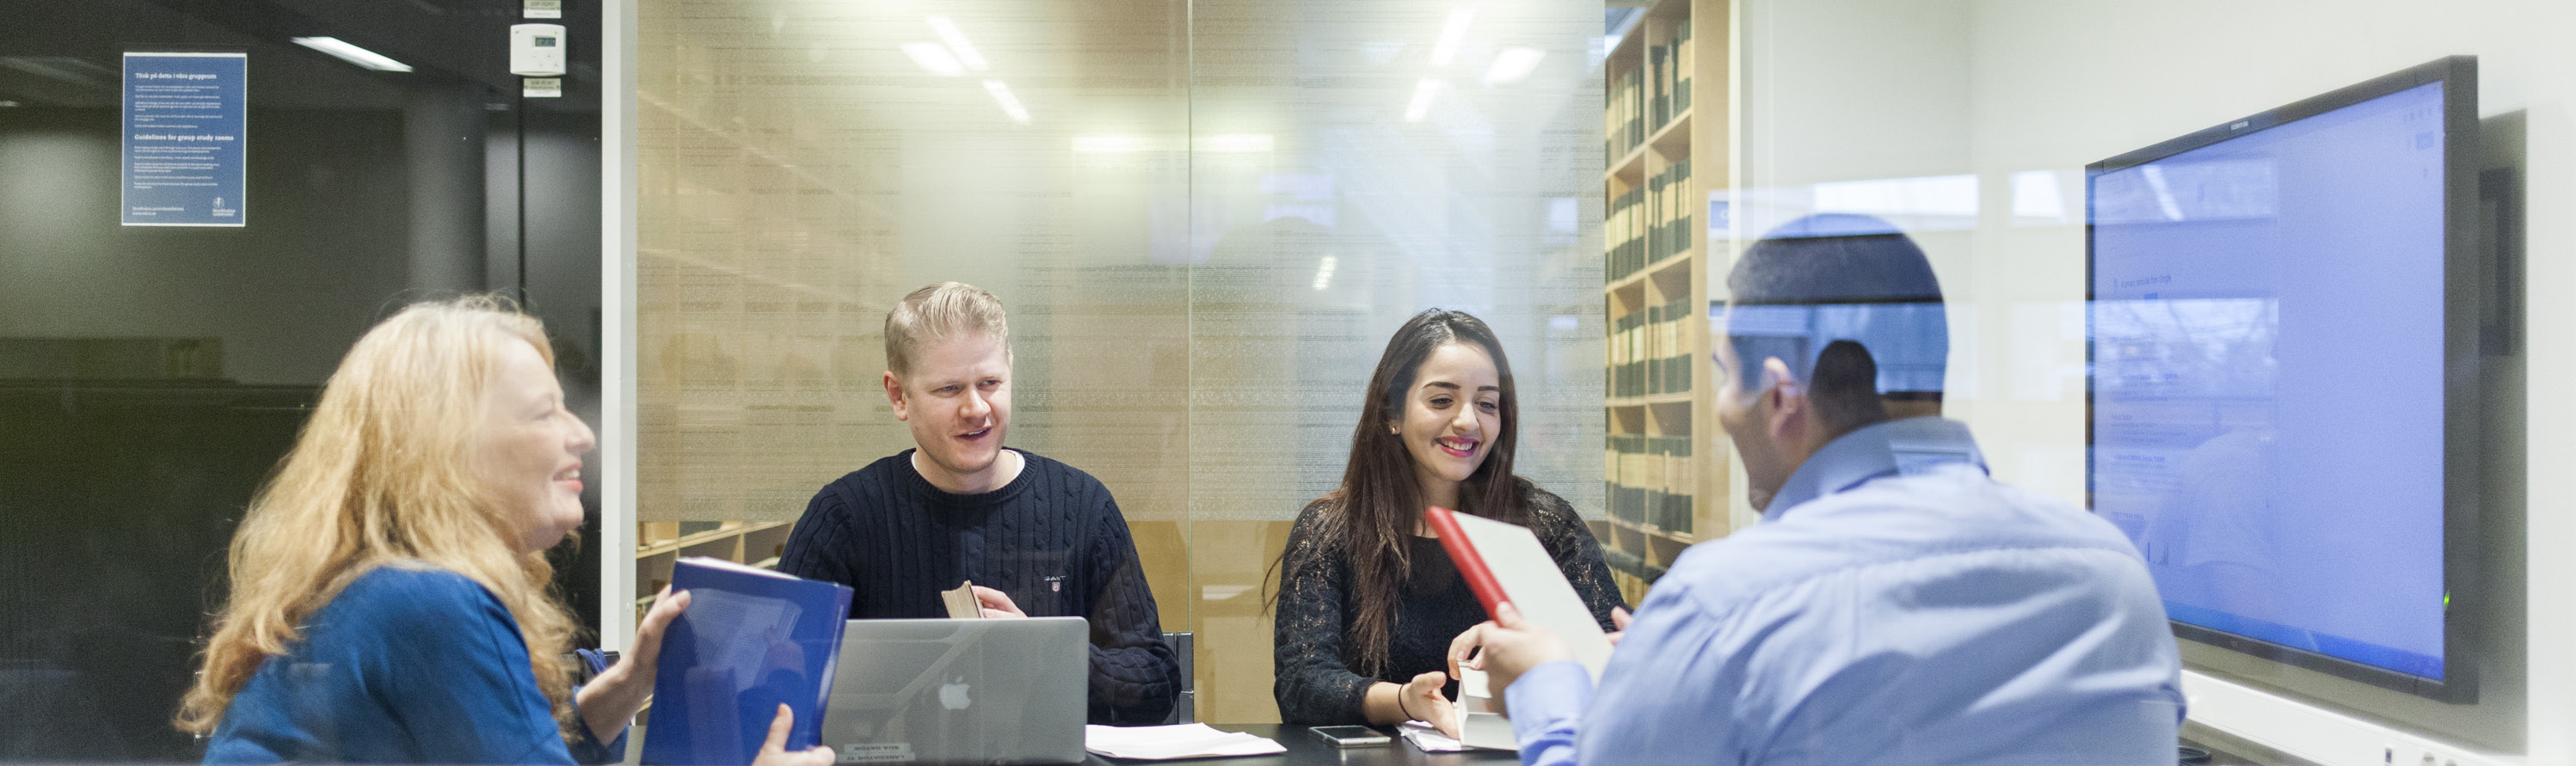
<point x="1052" y="538"/>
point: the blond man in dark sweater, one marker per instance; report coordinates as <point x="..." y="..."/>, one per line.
<point x="1036" y="536"/>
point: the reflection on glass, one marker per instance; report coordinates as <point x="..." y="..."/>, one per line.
<point x="1916" y="204"/>
<point x="2195" y="189"/>
<point x="1908" y="341"/>
<point x="2194" y="382"/>
<point x="1203" y="217"/>
<point x="2038" y="198"/>
<point x="2268" y="379"/>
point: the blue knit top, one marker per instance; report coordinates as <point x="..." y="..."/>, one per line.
<point x="408" y="664"/>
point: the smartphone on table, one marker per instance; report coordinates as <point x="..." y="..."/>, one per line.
<point x="1350" y="736"/>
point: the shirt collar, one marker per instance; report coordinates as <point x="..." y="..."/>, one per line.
<point x="1909" y="446"/>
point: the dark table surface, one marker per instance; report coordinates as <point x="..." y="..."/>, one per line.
<point x="1304" y="749"/>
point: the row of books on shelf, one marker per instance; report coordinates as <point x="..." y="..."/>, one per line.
<point x="1654" y="225"/>
<point x="1670" y="75"/>
<point x="1667" y="511"/>
<point x="1631" y="564"/>
<point x="1623" y="117"/>
<point x="1644" y="100"/>
<point x="1652" y="480"/>
<point x="1649" y="354"/>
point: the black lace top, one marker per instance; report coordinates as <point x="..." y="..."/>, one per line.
<point x="1315" y="685"/>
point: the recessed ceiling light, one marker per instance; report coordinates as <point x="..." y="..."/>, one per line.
<point x="1237" y="142"/>
<point x="1452" y="33"/>
<point x="1107" y="144"/>
<point x="342" y="50"/>
<point x="934" y="58"/>
<point x="1513" y="64"/>
<point x="1010" y="103"/>
<point x="65" y="68"/>
<point x="957" y="42"/>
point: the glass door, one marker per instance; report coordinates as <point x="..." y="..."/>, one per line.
<point x="151" y="376"/>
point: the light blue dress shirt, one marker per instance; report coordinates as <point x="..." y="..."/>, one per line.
<point x="1895" y="606"/>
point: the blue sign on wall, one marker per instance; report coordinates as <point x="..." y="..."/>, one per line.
<point x="186" y="120"/>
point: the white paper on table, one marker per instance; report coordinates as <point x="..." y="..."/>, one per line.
<point x="1429" y="739"/>
<point x="1189" y="740"/>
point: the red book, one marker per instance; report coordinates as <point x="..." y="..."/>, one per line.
<point x="1471" y="567"/>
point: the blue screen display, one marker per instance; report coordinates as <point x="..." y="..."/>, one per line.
<point x="2267" y="362"/>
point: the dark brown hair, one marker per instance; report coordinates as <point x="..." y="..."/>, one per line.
<point x="1380" y="500"/>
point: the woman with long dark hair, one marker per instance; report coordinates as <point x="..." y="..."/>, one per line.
<point x="1368" y="601"/>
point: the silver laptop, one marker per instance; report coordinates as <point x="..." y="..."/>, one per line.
<point x="960" y="691"/>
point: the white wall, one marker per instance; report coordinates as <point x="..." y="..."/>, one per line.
<point x="1835" y="91"/>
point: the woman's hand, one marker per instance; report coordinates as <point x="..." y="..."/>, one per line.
<point x="1463" y="654"/>
<point x="1507" y="647"/>
<point x="1391" y="704"/>
<point x="774" y="752"/>
<point x="1422" y="700"/>
<point x="997" y="603"/>
<point x="1619" y="617"/>
<point x="610" y="701"/>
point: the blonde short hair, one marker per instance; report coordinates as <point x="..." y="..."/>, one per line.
<point x="938" y="312"/>
<point x="381" y="476"/>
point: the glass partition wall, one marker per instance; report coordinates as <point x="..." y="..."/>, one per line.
<point x="1969" y="126"/>
<point x="152" y="377"/>
<point x="1205" y="218"/>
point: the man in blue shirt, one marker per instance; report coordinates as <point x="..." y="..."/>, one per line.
<point x="1895" y="605"/>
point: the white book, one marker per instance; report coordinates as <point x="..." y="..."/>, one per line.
<point x="1510" y="558"/>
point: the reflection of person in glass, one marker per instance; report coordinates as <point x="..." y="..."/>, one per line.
<point x="2211" y="526"/>
<point x="1035" y="536"/>
<point x="1368" y="600"/>
<point x="1894" y="606"/>
<point x="389" y="597"/>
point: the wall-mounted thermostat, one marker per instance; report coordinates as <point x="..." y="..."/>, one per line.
<point x="537" y="50"/>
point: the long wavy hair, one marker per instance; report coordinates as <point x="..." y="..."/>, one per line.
<point x="1380" y="499"/>
<point x="384" y="475"/>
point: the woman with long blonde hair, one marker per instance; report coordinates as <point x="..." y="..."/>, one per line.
<point x="389" y="599"/>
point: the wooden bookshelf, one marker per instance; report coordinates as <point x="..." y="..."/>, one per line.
<point x="660" y="544"/>
<point x="1665" y="149"/>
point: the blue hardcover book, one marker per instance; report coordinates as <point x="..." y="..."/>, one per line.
<point x="751" y="639"/>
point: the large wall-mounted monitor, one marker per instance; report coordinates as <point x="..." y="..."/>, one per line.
<point x="2284" y="374"/>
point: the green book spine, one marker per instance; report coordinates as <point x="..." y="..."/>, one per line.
<point x="1655" y="325"/>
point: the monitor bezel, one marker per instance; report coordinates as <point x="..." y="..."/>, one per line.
<point x="2462" y="409"/>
